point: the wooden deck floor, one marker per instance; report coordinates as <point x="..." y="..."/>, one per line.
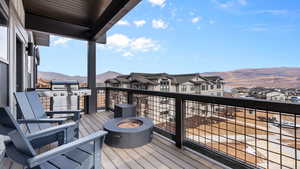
<point x="160" y="153"/>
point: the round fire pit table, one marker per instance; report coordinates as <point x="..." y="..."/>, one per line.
<point x="128" y="132"/>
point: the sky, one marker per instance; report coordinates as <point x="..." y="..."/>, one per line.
<point x="189" y="36"/>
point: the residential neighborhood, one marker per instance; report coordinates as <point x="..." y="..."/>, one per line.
<point x="291" y="95"/>
<point x="182" y="83"/>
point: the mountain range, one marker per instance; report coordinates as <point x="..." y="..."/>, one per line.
<point x="279" y="77"/>
<point x="59" y="76"/>
<point x="285" y="77"/>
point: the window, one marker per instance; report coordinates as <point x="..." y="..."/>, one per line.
<point x="212" y="87"/>
<point x="164" y="86"/>
<point x="3" y="39"/>
<point x="183" y="88"/>
<point x="203" y="87"/>
<point x="219" y="86"/>
<point x="192" y="88"/>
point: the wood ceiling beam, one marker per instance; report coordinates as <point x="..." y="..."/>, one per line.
<point x="107" y="16"/>
<point x="48" y="25"/>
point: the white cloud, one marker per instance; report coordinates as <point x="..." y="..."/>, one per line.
<point x="118" y="41"/>
<point x="60" y="41"/>
<point x="128" y="47"/>
<point x="123" y="23"/>
<point x="159" y="24"/>
<point x="160" y="3"/>
<point x="196" y="19"/>
<point x="144" y="45"/>
<point x="139" y="23"/>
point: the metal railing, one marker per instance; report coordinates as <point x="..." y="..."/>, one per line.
<point x="240" y="133"/>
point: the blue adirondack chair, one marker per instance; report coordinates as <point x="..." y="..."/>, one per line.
<point x="84" y="153"/>
<point x="35" y="123"/>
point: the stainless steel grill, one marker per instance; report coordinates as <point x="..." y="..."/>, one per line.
<point x="64" y="94"/>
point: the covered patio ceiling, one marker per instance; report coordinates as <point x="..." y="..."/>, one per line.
<point x="80" y="19"/>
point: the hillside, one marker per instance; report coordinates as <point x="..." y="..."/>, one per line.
<point x="285" y="77"/>
<point x="58" y="76"/>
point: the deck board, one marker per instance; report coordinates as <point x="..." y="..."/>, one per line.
<point x="160" y="153"/>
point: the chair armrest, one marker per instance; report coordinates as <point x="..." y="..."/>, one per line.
<point x="63" y="112"/>
<point x="51" y="131"/>
<point x="42" y="158"/>
<point x="54" y="120"/>
<point x="76" y="113"/>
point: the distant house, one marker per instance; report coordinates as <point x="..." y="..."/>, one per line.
<point x="182" y="83"/>
<point x="276" y="96"/>
<point x="240" y="92"/>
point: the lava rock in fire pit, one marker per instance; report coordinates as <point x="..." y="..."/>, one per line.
<point x="128" y="132"/>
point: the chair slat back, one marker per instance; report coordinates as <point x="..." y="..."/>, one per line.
<point x="36" y="104"/>
<point x="37" y="107"/>
<point x="26" y="110"/>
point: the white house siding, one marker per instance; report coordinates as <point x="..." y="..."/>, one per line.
<point x="276" y="96"/>
<point x="194" y="87"/>
<point x="188" y="86"/>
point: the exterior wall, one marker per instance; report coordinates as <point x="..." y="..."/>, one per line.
<point x="188" y="86"/>
<point x="151" y="87"/>
<point x="16" y="21"/>
<point x="16" y="30"/>
<point x="173" y="88"/>
<point x="213" y="92"/>
<point x="158" y="87"/>
<point x="125" y="85"/>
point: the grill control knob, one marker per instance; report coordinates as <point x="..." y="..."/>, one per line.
<point x="54" y="94"/>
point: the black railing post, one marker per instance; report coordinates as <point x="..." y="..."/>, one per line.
<point x="179" y="120"/>
<point x="86" y="104"/>
<point x="51" y="103"/>
<point x="129" y="97"/>
<point x="107" y="101"/>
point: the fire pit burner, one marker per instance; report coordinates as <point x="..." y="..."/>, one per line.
<point x="129" y="132"/>
<point x="130" y="124"/>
